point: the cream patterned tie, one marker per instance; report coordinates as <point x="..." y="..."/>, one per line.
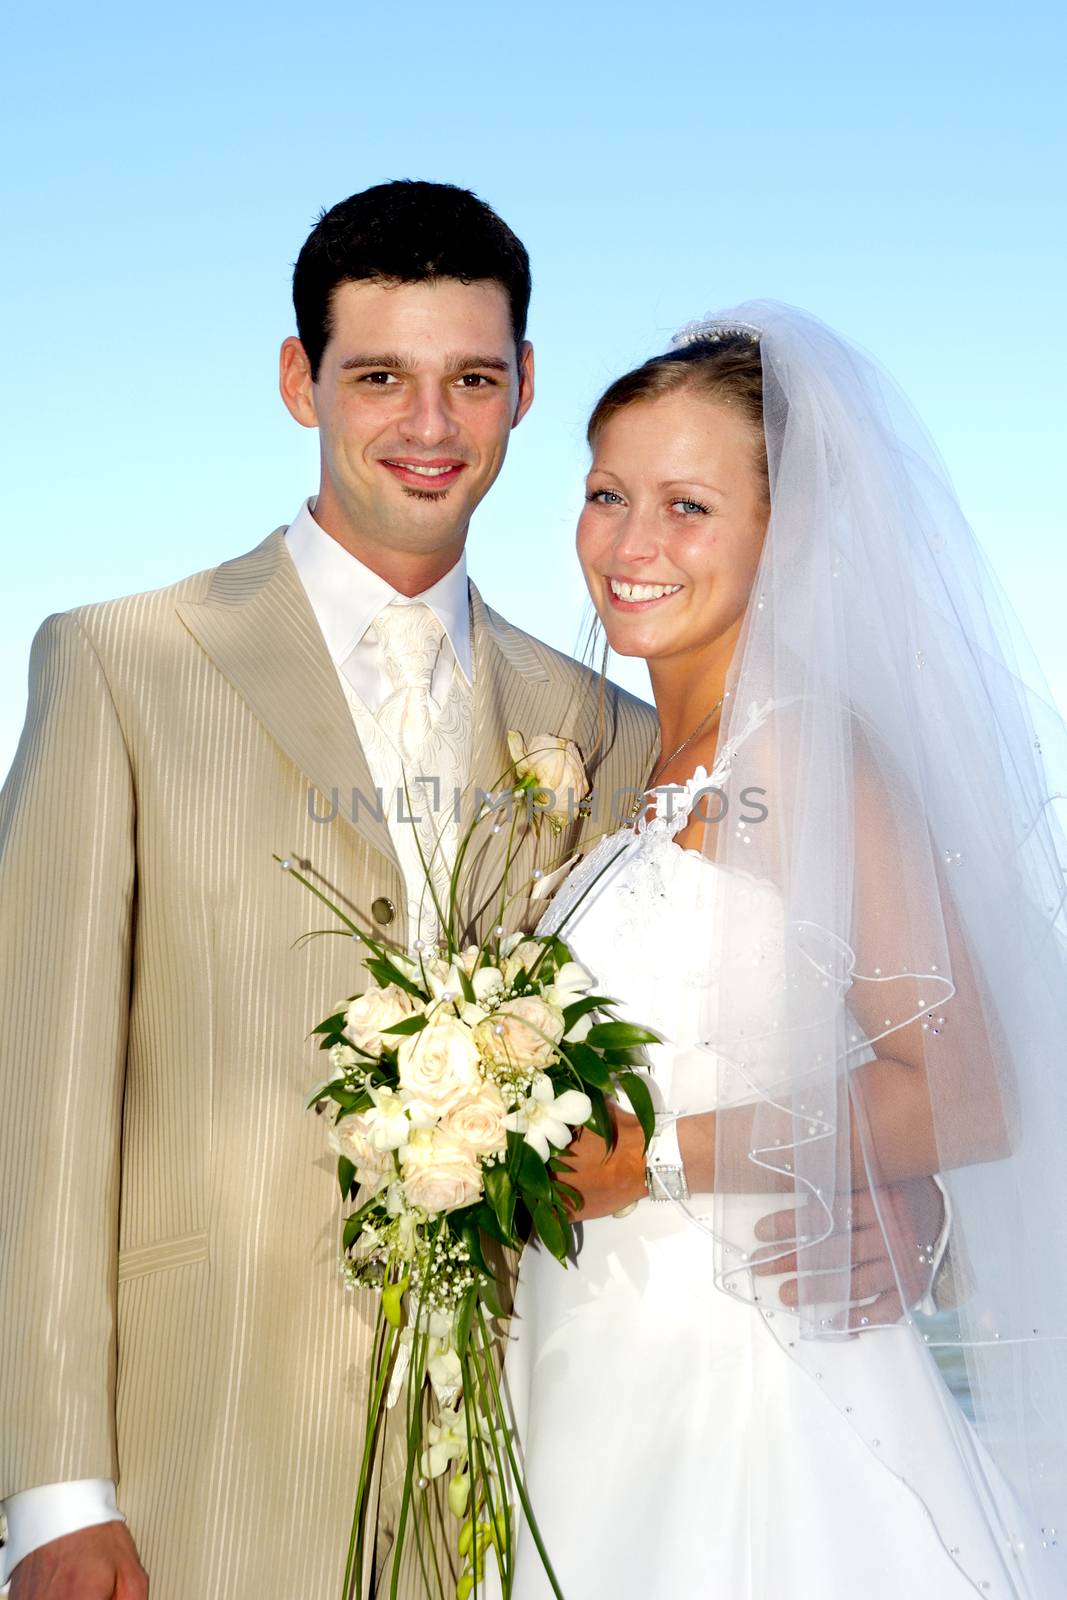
<point x="410" y="637"/>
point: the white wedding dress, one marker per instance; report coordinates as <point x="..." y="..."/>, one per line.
<point x="673" y="1446"/>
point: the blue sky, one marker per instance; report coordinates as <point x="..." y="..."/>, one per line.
<point x="897" y="170"/>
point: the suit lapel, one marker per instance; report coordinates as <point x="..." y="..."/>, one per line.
<point x="515" y="687"/>
<point x="258" y="627"/>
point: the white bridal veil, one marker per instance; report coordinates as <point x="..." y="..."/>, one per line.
<point x="909" y="759"/>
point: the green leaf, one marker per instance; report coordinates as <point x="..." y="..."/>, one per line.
<point x="334" y="1024"/>
<point x="352" y="1229"/>
<point x="636" y="1090"/>
<point x="346" y="1176"/>
<point x="325" y="1093"/>
<point x="500" y="1193"/>
<point x="553" y="1233"/>
<point x="382" y="969"/>
<point x="474" y="1247"/>
<point x="489" y="1293"/>
<point x="591" y="1002"/>
<point x="589" y="1067"/>
<point x="600" y="1118"/>
<point x="533" y="1177"/>
<point x="563" y="1191"/>
<point x="620" y="1036"/>
<point x="462" y="1326"/>
<point x="407" y="1025"/>
<point x="467" y="986"/>
<point x="485" y="1217"/>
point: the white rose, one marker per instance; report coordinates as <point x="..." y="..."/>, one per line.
<point x="479" y="1123"/>
<point x="439" y="1066"/>
<point x="521" y="1033"/>
<point x="438" y="1172"/>
<point x="486" y="982"/>
<point x="554" y="764"/>
<point x="525" y="955"/>
<point x="468" y="958"/>
<point x="369" y="1013"/>
<point x="351" y="1138"/>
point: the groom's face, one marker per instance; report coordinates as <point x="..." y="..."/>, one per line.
<point x="419" y="388"/>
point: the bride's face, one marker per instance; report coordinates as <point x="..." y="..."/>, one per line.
<point x="673" y="526"/>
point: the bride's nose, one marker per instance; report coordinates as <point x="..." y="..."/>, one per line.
<point x="636" y="537"/>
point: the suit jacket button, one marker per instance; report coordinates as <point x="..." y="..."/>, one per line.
<point x="382" y="910"/>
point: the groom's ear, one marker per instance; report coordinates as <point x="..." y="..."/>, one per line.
<point x="296" y="384"/>
<point x="526" y="382"/>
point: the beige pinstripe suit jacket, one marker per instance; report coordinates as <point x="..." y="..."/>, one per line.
<point x="170" y="1311"/>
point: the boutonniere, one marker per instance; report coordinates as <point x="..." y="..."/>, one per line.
<point x="550" y="770"/>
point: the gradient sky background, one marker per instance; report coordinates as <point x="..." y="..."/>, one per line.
<point x="896" y="169"/>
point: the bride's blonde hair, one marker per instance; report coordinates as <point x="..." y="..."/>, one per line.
<point x="726" y="368"/>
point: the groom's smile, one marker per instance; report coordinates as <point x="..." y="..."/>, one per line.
<point x="436" y="476"/>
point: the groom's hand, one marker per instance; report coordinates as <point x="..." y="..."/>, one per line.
<point x="607" y="1180"/>
<point x="891" y="1252"/>
<point x="93" y="1564"/>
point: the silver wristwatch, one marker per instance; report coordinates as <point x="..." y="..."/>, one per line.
<point x="664" y="1167"/>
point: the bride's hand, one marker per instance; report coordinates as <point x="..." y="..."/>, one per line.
<point x="911" y="1213"/>
<point x="606" y="1179"/>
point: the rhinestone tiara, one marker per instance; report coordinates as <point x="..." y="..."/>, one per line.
<point x="709" y="331"/>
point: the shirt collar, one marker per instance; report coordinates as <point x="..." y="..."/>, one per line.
<point x="346" y="596"/>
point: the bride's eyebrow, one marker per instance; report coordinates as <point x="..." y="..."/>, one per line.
<point x="691" y="483"/>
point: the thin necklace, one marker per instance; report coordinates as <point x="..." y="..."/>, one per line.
<point x="661" y="766"/>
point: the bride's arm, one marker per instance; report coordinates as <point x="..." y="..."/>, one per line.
<point x="937" y="1094"/>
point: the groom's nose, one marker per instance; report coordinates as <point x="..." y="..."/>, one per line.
<point x="428" y="418"/>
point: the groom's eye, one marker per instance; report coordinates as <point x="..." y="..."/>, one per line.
<point x="378" y="380"/>
<point x="477" y="380"/>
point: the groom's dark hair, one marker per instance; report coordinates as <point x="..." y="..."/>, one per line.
<point x="405" y="232"/>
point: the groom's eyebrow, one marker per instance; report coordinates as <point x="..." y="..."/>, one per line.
<point x="408" y="363"/>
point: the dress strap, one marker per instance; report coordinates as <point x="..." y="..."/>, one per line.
<point x="674" y="801"/>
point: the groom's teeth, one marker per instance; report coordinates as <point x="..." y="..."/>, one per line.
<point x="423" y="472"/>
<point x="641" y="591"/>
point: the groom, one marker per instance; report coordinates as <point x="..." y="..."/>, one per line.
<point x="176" y="1341"/>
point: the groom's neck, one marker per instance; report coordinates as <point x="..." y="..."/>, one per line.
<point x="408" y="571"/>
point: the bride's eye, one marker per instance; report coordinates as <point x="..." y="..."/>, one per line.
<point x="690" y="508"/>
<point x="603" y="497"/>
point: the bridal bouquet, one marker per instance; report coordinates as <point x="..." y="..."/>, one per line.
<point x="458" y="1077"/>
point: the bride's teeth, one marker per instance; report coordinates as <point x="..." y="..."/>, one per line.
<point x="641" y="591"/>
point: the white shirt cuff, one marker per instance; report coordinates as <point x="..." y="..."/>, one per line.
<point x="36" y="1516"/>
<point x="927" y="1305"/>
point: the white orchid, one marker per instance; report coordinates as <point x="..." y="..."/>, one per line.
<point x="387" y="1122"/>
<point x="446" y="1440"/>
<point x="444" y="1369"/>
<point x="546" y="1118"/>
<point x="571" y="983"/>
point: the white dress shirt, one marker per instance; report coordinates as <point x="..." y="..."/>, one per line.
<point x="346" y="597"/>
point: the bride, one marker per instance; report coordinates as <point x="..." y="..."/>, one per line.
<point x="841" y="905"/>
